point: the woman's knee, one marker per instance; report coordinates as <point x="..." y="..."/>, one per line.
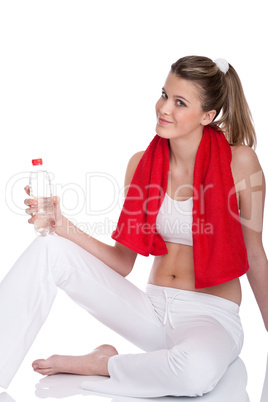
<point x="190" y="374"/>
<point x="54" y="246"/>
<point x="46" y="257"/>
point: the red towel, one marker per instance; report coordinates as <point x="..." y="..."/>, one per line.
<point x="219" y="250"/>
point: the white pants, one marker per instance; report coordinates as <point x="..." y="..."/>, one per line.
<point x="189" y="338"/>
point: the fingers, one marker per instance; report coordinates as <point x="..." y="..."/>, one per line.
<point x="27" y="189"/>
<point x="32" y="219"/>
<point x="33" y="213"/>
<point x="32" y="210"/>
<point x="32" y="205"/>
<point x="30" y="202"/>
<point x="56" y="200"/>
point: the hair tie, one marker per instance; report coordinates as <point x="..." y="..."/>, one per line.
<point x="222" y="64"/>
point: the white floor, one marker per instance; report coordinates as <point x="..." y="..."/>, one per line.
<point x="28" y="387"/>
<point x="69" y="330"/>
<point x="232" y="388"/>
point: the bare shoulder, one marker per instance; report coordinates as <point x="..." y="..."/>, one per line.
<point x="131" y="167"/>
<point x="244" y="161"/>
<point x="134" y="160"/>
<point x="244" y="155"/>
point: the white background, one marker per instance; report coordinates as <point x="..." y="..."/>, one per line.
<point x="78" y="84"/>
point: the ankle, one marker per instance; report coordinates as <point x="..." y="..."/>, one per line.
<point x="102" y="365"/>
<point x="107" y="350"/>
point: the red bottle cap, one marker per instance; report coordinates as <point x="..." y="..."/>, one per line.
<point x="36" y="162"/>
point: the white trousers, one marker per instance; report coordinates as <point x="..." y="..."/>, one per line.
<point x="189" y="338"/>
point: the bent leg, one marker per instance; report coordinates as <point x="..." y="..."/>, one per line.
<point x="28" y="291"/>
<point x="106" y="295"/>
<point x="192" y="367"/>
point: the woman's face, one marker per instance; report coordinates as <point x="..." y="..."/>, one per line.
<point x="179" y="112"/>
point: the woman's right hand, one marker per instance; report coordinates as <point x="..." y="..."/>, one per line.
<point x="33" y="209"/>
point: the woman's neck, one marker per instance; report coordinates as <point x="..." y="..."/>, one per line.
<point x="183" y="150"/>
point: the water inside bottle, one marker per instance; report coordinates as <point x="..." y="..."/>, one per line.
<point x="45" y="222"/>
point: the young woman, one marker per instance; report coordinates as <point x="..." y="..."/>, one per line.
<point x="183" y="201"/>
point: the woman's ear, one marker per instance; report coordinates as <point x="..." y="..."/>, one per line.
<point x="208" y="117"/>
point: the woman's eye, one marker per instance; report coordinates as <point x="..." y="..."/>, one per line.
<point x="180" y="103"/>
<point x="164" y="95"/>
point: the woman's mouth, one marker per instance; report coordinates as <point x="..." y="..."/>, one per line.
<point x="163" y="122"/>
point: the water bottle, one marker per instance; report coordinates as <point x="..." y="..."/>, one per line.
<point x="41" y="191"/>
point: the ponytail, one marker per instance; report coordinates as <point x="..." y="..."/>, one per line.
<point x="236" y="120"/>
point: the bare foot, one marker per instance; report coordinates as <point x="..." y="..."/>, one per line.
<point x="95" y="363"/>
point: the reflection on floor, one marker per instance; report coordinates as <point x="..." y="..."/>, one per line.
<point x="231" y="388"/>
<point x="4" y="397"/>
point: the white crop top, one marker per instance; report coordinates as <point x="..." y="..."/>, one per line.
<point x="174" y="221"/>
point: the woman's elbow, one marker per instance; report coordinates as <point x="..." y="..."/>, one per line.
<point x="127" y="259"/>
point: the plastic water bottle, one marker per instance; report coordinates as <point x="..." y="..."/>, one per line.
<point x="41" y="190"/>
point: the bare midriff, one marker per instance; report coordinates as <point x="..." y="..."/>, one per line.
<point x="176" y="270"/>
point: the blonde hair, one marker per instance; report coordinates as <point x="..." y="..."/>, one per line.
<point x="223" y="93"/>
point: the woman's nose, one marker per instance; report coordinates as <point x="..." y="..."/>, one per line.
<point x="166" y="107"/>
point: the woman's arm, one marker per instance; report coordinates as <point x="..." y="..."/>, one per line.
<point x="118" y="257"/>
<point x="251" y="189"/>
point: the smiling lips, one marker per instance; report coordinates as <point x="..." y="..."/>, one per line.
<point x="163" y="122"/>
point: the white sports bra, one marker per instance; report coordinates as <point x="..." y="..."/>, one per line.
<point x="174" y="221"/>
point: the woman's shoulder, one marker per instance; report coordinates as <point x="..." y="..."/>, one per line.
<point x="134" y="160"/>
<point x="244" y="159"/>
<point x="132" y="165"/>
<point x="246" y="168"/>
<point x="243" y="151"/>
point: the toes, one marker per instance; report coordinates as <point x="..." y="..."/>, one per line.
<point x="47" y="371"/>
<point x="40" y="364"/>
